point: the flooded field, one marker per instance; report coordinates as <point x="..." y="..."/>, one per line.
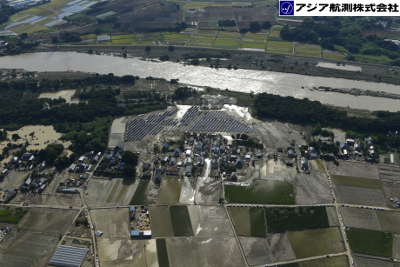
<point x="64" y="94"/>
<point x="339" y="66"/>
<point x="284" y="84"/>
<point x="37" y="136"/>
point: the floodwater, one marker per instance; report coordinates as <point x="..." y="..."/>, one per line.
<point x="330" y="65"/>
<point x="65" y="94"/>
<point x="284" y="84"/>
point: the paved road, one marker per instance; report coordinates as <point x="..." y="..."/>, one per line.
<point x="340" y="218"/>
<point x="303" y="259"/>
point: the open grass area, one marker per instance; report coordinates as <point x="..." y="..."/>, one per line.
<point x="11" y="215"/>
<point x="275" y="33"/>
<point x="357" y="181"/>
<point x="228" y="35"/>
<point x="258" y="37"/>
<point x="202" y="41"/>
<point x="261" y="192"/>
<point x="296" y="219"/>
<point x="226" y="43"/>
<point x="139" y="198"/>
<point x="370" y="242"/>
<point x="280" y="47"/>
<point x="253" y="45"/>
<point x="88" y="36"/>
<point x="308" y="50"/>
<point x="332" y="55"/>
<point x="162" y="253"/>
<point x="176" y="38"/>
<point x="181" y="221"/>
<point x="316" y="242"/>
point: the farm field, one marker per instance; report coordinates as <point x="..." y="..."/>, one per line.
<point x="261" y="192"/>
<point x="281" y="47"/>
<point x="319" y="242"/>
<point x="307" y="50"/>
<point x="105" y="192"/>
<point x="370" y="242"/>
<point x="37" y="238"/>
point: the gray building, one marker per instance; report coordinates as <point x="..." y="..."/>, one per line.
<point x="68" y="256"/>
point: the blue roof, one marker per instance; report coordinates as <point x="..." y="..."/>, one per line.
<point x="135" y="233"/>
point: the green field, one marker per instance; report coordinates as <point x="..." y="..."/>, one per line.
<point x="296" y="219"/>
<point x="257" y="222"/>
<point x="162" y="253"/>
<point x="261" y="192"/>
<point x="228" y="35"/>
<point x="181" y="221"/>
<point x="257" y="37"/>
<point x="202" y="41"/>
<point x="226" y="43"/>
<point x="316" y="242"/>
<point x="253" y="45"/>
<point x="332" y="55"/>
<point x="176" y="38"/>
<point x="10" y="215"/>
<point x="280" y="47"/>
<point x="275" y="33"/>
<point x="308" y="50"/>
<point x="356" y="181"/>
<point x="370" y="242"/>
<point x="249" y="221"/>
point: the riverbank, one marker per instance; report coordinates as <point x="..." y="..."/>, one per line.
<point x="242" y="59"/>
<point x="241" y="80"/>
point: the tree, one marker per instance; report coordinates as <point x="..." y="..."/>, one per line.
<point x="255" y="27"/>
<point x="130" y="160"/>
<point x="147" y="49"/>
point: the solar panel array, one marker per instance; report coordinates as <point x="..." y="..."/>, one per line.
<point x="153" y="124"/>
<point x="68" y="256"/>
<point x="194" y="120"/>
<point x="218" y="121"/>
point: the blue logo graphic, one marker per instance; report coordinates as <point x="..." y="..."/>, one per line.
<point x="286" y="8"/>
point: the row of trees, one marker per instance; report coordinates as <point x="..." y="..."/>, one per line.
<point x="384" y="128"/>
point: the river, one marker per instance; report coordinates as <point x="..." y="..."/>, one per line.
<point x="284" y="84"/>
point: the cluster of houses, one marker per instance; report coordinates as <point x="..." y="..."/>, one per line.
<point x="85" y="163"/>
<point x="140" y="222"/>
<point x="26" y="162"/>
<point x="112" y="164"/>
<point x="3" y="233"/>
<point x="7" y="195"/>
<point x="179" y="160"/>
<point x="229" y="155"/>
<point x="36" y="183"/>
<point x="358" y="149"/>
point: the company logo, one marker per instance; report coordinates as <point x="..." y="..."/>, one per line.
<point x="286" y="8"/>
